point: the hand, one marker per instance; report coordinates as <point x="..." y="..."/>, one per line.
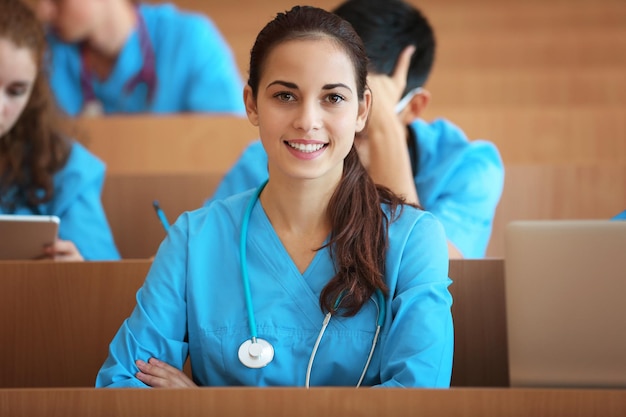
<point x="387" y="90"/>
<point x="384" y="144"/>
<point x="158" y="374"/>
<point x="63" y="250"/>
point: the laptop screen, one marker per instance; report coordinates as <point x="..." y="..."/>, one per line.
<point x="565" y="286"/>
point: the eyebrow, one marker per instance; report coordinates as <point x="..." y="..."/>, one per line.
<point x="295" y="86"/>
<point x="21" y="83"/>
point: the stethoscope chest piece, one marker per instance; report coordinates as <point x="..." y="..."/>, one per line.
<point x="256" y="354"/>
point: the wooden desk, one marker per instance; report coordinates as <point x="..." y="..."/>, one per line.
<point x="57" y="319"/>
<point x="345" y="402"/>
<point x="479" y="313"/>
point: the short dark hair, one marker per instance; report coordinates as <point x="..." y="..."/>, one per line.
<point x="386" y="28"/>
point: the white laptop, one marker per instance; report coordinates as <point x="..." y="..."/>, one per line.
<point x="565" y="285"/>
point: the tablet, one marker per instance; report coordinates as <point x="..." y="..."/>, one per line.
<point x="24" y="236"/>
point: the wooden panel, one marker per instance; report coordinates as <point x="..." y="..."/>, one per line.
<point x="479" y="312"/>
<point x="166" y="144"/>
<point x="57" y="319"/>
<point x="316" y="402"/>
<point x="478" y="34"/>
<point x="555" y="135"/>
<point x="536" y="192"/>
<point x="524" y="89"/>
<point x="127" y="200"/>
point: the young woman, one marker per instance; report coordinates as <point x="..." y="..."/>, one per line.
<point x="118" y="56"/>
<point x="318" y="277"/>
<point x="41" y="172"/>
<point x="434" y="163"/>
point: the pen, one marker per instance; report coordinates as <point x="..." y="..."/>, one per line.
<point x="161" y="214"/>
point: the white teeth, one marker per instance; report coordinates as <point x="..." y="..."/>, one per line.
<point x="306" y="148"/>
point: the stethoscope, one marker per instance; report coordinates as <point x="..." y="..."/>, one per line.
<point x="146" y="74"/>
<point x="256" y="352"/>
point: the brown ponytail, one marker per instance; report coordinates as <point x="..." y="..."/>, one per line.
<point x="359" y="237"/>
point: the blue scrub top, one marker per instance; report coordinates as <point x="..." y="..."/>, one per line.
<point x="195" y="69"/>
<point x="621" y="216"/>
<point x="76" y="201"/>
<point x="458" y="180"/>
<point x="192" y="303"/>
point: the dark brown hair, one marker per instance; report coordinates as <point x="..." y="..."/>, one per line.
<point x="33" y="150"/>
<point x="358" y="240"/>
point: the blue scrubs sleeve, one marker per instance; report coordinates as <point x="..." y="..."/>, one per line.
<point x="157" y="326"/>
<point x="621" y="216"/>
<point x="468" y="207"/>
<point x="214" y="83"/>
<point x="85" y="224"/>
<point x="77" y="202"/>
<point x="419" y="345"/>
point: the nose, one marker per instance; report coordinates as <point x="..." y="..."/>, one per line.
<point x="45" y="10"/>
<point x="309" y="116"/>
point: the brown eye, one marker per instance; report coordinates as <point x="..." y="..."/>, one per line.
<point x="284" y="96"/>
<point x="17" y="90"/>
<point x="335" y="98"/>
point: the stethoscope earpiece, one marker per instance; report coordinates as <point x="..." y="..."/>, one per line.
<point x="256" y="354"/>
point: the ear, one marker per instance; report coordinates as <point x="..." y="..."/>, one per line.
<point x="251" y="107"/>
<point x="415" y="107"/>
<point x="364" y="110"/>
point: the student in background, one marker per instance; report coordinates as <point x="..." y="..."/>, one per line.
<point x="116" y="56"/>
<point x="41" y="172"/>
<point x="430" y="164"/>
<point x="246" y="287"/>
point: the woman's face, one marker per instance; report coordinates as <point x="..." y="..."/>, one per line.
<point x="307" y="109"/>
<point x="17" y="77"/>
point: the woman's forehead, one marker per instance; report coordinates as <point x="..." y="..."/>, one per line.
<point x="309" y="57"/>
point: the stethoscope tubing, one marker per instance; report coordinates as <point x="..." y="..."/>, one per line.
<point x="244" y="264"/>
<point x="380" y="299"/>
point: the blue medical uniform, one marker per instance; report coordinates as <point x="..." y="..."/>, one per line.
<point x="195" y="69"/>
<point x="192" y="302"/>
<point x="458" y="180"/>
<point x="76" y="201"/>
<point x="621" y="216"/>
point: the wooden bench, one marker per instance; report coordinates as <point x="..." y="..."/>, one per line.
<point x="57" y="320"/>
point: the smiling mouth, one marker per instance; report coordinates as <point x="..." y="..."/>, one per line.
<point x="308" y="147"/>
